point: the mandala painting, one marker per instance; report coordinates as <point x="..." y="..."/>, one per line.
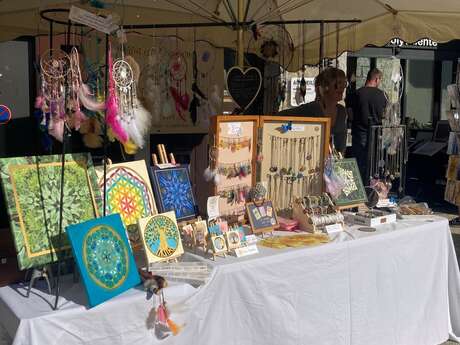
<point x="104" y="258"/>
<point x="174" y="191"/>
<point x="31" y="187"/>
<point x="129" y="193"/>
<point x="161" y="237"/>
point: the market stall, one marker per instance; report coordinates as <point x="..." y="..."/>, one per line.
<point x="279" y="242"/>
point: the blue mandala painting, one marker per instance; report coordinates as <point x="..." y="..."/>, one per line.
<point x="103" y="257"/>
<point x="174" y="192"/>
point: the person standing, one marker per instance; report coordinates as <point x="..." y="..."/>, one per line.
<point x="329" y="86"/>
<point x="368" y="105"/>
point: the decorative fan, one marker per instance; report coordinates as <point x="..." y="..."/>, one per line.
<point x="272" y="43"/>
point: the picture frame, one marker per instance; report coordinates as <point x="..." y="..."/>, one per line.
<point x="160" y="237"/>
<point x="233" y="239"/>
<point x="353" y="194"/>
<point x="262" y="216"/>
<point x="218" y="246"/>
<point x="173" y="191"/>
<point x="104" y="257"/>
<point x="200" y="234"/>
<point x="31" y="188"/>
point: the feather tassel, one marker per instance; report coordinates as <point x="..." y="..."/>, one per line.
<point x="112" y="105"/>
<point x="56" y="128"/>
<point x="175" y="329"/>
<point x="89" y="102"/>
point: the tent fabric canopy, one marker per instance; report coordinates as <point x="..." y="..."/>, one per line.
<point x="380" y="21"/>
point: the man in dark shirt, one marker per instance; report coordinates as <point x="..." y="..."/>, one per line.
<point x="368" y="105"/>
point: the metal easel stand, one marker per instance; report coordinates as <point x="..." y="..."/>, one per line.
<point x="44" y="272"/>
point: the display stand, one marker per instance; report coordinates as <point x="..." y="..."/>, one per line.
<point x="294" y="151"/>
<point x="235" y="138"/>
<point x="388" y="154"/>
<point x="40" y="273"/>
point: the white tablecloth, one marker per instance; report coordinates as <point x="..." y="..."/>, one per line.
<point x="397" y="286"/>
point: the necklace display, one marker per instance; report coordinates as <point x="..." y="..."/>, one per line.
<point x="235" y="144"/>
<point x="232" y="170"/>
<point x="294" y="166"/>
<point x="235" y="194"/>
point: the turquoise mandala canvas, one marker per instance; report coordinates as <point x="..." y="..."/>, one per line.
<point x="104" y="258"/>
<point x="31" y="186"/>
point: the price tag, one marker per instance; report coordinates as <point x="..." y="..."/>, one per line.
<point x="298" y="128"/>
<point x="246" y="251"/>
<point x="92" y="20"/>
<point x="213" y="207"/>
<point x="235" y="129"/>
<point x="333" y="228"/>
<point x="251" y="239"/>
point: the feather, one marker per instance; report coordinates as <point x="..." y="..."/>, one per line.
<point x="90" y="103"/>
<point x="129" y="147"/>
<point x="134" y="133"/>
<point x="193" y="109"/>
<point x="208" y="174"/>
<point x="216" y="178"/>
<point x="112" y="105"/>
<point x="77" y="119"/>
<point x="143" y="118"/>
<point x="175" y="329"/>
<point x="151" y="319"/>
<point x="39" y="102"/>
<point x="56" y="128"/>
<point x="92" y="140"/>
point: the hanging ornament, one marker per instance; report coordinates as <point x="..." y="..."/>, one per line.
<point x="54" y="67"/>
<point x="178" y="71"/>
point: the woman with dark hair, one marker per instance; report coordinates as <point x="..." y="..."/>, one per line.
<point x="329" y="86"/>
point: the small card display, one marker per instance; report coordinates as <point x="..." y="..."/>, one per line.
<point x="262" y="216"/>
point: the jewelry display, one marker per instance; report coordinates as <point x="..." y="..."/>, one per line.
<point x="315" y="212"/>
<point x="388" y="156"/>
<point x="294" y="166"/>
<point x="235" y="144"/>
<point x="232" y="170"/>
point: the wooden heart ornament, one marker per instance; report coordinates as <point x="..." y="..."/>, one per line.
<point x="244" y="85"/>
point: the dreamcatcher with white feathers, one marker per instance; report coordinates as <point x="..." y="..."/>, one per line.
<point x="128" y="120"/>
<point x="274" y="44"/>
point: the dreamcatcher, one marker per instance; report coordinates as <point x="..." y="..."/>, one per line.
<point x="127" y="118"/>
<point x="205" y="62"/>
<point x="178" y="75"/>
<point x="54" y="68"/>
<point x="273" y="43"/>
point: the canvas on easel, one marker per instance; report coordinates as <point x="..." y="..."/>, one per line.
<point x="161" y="237"/>
<point x="104" y="258"/>
<point x="31" y="186"/>
<point x="353" y="193"/>
<point x="128" y="193"/>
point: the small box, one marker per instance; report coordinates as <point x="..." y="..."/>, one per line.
<point x="374" y="218"/>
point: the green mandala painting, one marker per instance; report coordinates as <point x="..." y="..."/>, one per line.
<point x="353" y="192"/>
<point x="31" y="186"/>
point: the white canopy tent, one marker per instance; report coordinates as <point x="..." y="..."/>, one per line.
<point x="380" y="21"/>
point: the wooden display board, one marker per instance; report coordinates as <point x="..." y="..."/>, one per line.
<point x="236" y="140"/>
<point x="294" y="151"/>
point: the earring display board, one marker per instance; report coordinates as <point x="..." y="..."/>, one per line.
<point x="103" y="257"/>
<point x="235" y="138"/>
<point x="294" y="151"/>
<point x="31" y="187"/>
<point x="129" y="193"/>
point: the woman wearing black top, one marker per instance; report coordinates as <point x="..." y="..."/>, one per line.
<point x="329" y="85"/>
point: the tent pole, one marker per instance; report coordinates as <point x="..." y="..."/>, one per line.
<point x="240" y="33"/>
<point x="321" y="46"/>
